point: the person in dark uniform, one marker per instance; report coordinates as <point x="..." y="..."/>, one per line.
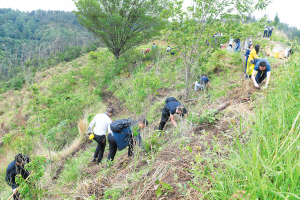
<point x="172" y="107"/>
<point x="14" y="168"/>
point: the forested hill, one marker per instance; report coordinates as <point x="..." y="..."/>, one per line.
<point x="35" y="36"/>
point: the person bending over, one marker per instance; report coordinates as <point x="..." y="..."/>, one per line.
<point x="14" y="168"/>
<point x="122" y="135"/>
<point x="261" y="71"/>
<point x="171" y="108"/>
<point x="203" y="83"/>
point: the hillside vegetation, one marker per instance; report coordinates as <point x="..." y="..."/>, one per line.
<point x="31" y="41"/>
<point x="237" y="140"/>
<point x="247" y="147"/>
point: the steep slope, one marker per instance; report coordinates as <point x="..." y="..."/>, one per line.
<point x="176" y="165"/>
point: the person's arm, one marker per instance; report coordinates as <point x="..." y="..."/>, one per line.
<point x="173" y="120"/>
<point x="253" y="78"/>
<point x="208" y="84"/>
<point x="92" y="124"/>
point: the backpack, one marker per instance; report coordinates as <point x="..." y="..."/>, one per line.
<point x="171" y="99"/>
<point x="118" y="125"/>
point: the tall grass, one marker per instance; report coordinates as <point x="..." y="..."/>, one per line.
<point x="268" y="166"/>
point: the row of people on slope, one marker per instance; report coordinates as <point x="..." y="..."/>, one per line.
<point x="121" y="133"/>
<point x="168" y="49"/>
<point x="256" y="68"/>
<point x="268" y="31"/>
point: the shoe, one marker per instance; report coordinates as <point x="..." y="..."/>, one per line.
<point x="94" y="160"/>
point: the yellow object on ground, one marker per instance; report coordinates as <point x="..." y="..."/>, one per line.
<point x="91" y="136"/>
<point x="276" y="55"/>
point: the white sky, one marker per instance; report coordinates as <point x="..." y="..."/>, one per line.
<point x="288" y="10"/>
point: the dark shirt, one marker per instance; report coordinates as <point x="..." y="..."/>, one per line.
<point x="123" y="138"/>
<point x="247" y="54"/>
<point x="172" y="106"/>
<point x="12" y="170"/>
<point x="268" y="68"/>
<point x="203" y="80"/>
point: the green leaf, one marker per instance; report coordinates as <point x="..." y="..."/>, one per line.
<point x="157" y="182"/>
<point x="158" y="192"/>
<point x="189" y="149"/>
<point x="167" y="186"/>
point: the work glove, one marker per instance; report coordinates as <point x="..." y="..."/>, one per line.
<point x="265" y="87"/>
<point x="256" y="85"/>
<point x="14" y="190"/>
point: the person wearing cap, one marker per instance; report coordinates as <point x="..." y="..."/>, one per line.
<point x="14" y="168"/>
<point x="101" y="123"/>
<point x="261" y="71"/>
<point x="127" y="136"/>
<point x="172" y="107"/>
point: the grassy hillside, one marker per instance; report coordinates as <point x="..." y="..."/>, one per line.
<point x="217" y="152"/>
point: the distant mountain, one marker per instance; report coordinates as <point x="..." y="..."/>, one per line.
<point x="32" y="39"/>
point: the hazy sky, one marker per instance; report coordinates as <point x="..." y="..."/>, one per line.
<point x="288" y="10"/>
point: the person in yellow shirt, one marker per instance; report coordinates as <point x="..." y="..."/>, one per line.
<point x="251" y="64"/>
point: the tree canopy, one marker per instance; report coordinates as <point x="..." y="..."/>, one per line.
<point x="121" y="24"/>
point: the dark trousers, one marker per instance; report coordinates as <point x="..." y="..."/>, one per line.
<point x="270" y="34"/>
<point x="113" y="147"/>
<point x="266" y="33"/>
<point x="260" y="77"/>
<point x="164" y="118"/>
<point x="101" y="140"/>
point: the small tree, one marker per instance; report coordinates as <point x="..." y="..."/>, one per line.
<point x="121" y="24"/>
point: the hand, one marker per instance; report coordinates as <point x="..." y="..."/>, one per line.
<point x="14" y="190"/>
<point x="256" y="85"/>
<point x="265" y="87"/>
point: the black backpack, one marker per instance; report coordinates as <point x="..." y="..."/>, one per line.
<point x="171" y="99"/>
<point x="118" y="125"/>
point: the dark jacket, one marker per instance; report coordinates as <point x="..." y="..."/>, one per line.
<point x="12" y="170"/>
<point x="172" y="104"/>
<point x="123" y="138"/>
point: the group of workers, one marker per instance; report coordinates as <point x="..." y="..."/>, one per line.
<point x="126" y="132"/>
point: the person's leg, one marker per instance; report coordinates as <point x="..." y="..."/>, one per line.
<point x="112" y="147"/>
<point x="130" y="147"/>
<point x="262" y="78"/>
<point x="257" y="77"/>
<point x="164" y="118"/>
<point x="96" y="138"/>
<point x="270" y="33"/>
<point x="101" y="144"/>
<point x="196" y="86"/>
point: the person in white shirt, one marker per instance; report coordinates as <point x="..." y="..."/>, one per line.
<point x="102" y="123"/>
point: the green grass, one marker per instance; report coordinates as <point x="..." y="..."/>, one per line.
<point x="267" y="167"/>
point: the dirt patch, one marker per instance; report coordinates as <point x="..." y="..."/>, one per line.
<point x="110" y="100"/>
